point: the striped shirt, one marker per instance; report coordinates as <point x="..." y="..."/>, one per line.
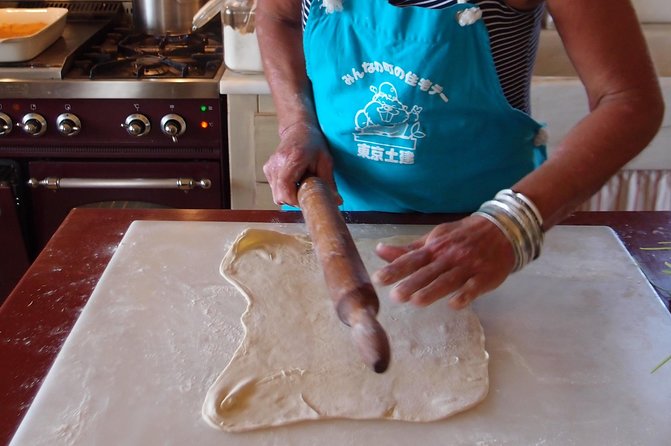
<point x="513" y="38"/>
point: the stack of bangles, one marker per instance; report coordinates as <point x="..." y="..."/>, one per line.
<point x="519" y="220"/>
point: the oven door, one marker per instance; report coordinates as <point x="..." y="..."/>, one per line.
<point x="58" y="186"/>
<point x="14" y="252"/>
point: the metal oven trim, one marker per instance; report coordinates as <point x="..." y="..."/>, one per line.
<point x="112" y="89"/>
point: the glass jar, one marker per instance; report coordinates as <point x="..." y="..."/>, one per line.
<point x="241" y="47"/>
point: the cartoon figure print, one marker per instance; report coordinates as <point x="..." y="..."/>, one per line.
<point x="386" y="115"/>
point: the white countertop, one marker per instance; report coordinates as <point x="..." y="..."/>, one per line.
<point x="572" y="340"/>
<point x="239" y="83"/>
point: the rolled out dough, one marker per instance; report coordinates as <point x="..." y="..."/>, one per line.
<point x="297" y="361"/>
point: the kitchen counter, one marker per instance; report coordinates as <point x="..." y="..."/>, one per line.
<point x="237" y="83"/>
<point x="39" y="314"/>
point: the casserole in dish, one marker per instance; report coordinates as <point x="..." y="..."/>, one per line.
<point x="26" y="32"/>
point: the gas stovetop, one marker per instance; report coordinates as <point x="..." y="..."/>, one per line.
<point x="100" y="56"/>
<point x="124" y="54"/>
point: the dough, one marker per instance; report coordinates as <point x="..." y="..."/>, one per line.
<point x="297" y="361"/>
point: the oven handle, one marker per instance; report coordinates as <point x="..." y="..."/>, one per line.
<point x="54" y="183"/>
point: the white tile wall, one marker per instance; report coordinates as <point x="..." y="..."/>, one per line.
<point x="653" y="11"/>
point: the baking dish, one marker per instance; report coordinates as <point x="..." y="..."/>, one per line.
<point x="16" y="49"/>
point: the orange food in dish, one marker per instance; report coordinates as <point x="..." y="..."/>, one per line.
<point x="11" y="30"/>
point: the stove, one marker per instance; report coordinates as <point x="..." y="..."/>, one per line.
<point x="126" y="55"/>
<point x="99" y="44"/>
<point x="110" y="117"/>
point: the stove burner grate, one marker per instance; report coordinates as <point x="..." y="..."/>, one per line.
<point x="144" y="66"/>
<point x="163" y="45"/>
<point x="123" y="55"/>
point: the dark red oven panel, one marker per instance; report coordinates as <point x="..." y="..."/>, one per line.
<point x="150" y="127"/>
<point x="64" y="185"/>
<point x="14" y="259"/>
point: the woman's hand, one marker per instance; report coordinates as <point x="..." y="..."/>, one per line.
<point x="302" y="151"/>
<point x="459" y="260"/>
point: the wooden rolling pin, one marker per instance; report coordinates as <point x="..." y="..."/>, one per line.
<point x="346" y="277"/>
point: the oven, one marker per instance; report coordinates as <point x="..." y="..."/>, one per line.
<point x="113" y="118"/>
<point x="106" y="165"/>
<point x="14" y="257"/>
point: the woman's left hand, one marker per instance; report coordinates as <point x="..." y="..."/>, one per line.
<point x="459" y="260"/>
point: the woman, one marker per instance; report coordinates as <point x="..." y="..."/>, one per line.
<point x="420" y="105"/>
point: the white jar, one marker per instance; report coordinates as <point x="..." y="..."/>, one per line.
<point x="241" y="47"/>
<point x="241" y="51"/>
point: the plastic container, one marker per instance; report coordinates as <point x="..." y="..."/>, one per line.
<point x="241" y="47"/>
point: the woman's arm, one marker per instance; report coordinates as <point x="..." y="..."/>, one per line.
<point x="604" y="41"/>
<point x="465" y="259"/>
<point x="302" y="148"/>
<point x="280" y="34"/>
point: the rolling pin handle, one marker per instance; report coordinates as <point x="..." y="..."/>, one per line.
<point x="345" y="274"/>
<point x="371" y="340"/>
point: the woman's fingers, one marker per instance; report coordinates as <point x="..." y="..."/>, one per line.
<point x="389" y="253"/>
<point x="302" y="150"/>
<point x="287" y="183"/>
<point x="402" y="266"/>
<point x="458" y="261"/>
<point x="428" y="284"/>
<point x="276" y="172"/>
<point x="443" y="285"/>
<point x="471" y="289"/>
<point x="456" y="284"/>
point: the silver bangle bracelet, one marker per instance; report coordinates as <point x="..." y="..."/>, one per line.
<point x="521" y="227"/>
<point x="520" y="222"/>
<point x="528" y="208"/>
<point x="528" y="204"/>
<point x="527" y="221"/>
<point x="516" y="251"/>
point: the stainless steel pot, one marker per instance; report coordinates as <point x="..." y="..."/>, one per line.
<point x="163" y="17"/>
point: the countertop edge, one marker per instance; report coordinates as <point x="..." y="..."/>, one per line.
<point x="239" y="83"/>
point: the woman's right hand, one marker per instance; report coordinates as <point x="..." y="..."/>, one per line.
<point x="302" y="151"/>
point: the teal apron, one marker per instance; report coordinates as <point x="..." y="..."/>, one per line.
<point x="412" y="108"/>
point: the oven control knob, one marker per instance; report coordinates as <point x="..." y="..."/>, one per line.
<point x="6" y="124"/>
<point x="173" y="125"/>
<point x="34" y="124"/>
<point x="137" y="124"/>
<point x="68" y="124"/>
